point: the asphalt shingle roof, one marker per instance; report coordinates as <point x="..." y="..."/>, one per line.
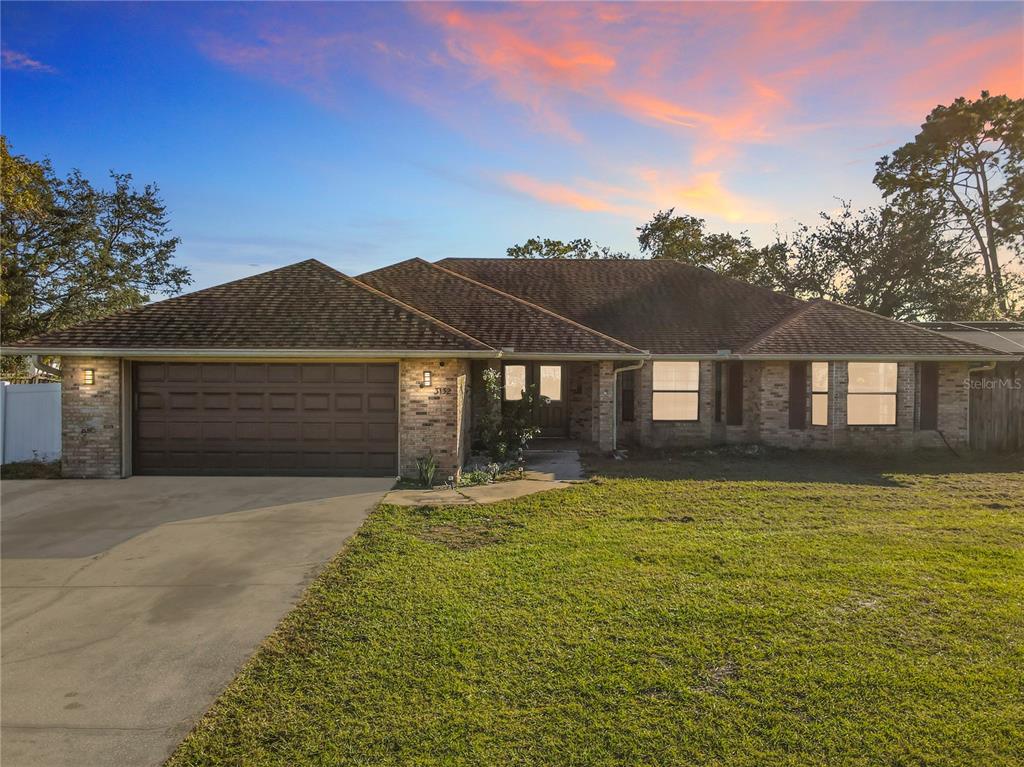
<point x="486" y="313"/>
<point x="827" y="328"/>
<point x="666" y="307"/>
<point x="307" y="305"/>
<point x="600" y="307"/>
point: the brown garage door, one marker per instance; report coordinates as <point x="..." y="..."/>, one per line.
<point x="250" y="418"/>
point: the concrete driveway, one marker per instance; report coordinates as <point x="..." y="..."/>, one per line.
<point x="127" y="606"/>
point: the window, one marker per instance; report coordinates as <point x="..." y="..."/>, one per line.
<point x="551" y="382"/>
<point x="871" y="400"/>
<point x="515" y="382"/>
<point x="819" y="393"/>
<point x="676" y="391"/>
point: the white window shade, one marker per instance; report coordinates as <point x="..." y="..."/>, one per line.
<point x="676" y="376"/>
<point x="871" y="397"/>
<point x="676" y="395"/>
<point x="872" y="377"/>
<point x="675" y="406"/>
<point x="551" y="382"/>
<point x="872" y="410"/>
<point x="515" y="382"/>
<point x="819" y="394"/>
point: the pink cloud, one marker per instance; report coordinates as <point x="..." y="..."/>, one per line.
<point x="15" y="60"/>
<point x="639" y="191"/>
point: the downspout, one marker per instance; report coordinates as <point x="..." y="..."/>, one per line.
<point x="615" y="400"/>
<point x="989" y="366"/>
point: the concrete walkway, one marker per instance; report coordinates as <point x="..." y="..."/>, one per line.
<point x="543" y="470"/>
<point x="128" y="605"/>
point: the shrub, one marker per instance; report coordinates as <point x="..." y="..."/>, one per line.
<point x="475" y="477"/>
<point x="505" y="431"/>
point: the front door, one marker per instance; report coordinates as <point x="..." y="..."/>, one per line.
<point x="547" y="381"/>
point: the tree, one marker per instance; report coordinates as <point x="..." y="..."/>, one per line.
<point x="685" y="238"/>
<point x="535" y="247"/>
<point x="71" y="252"/>
<point x="891" y="261"/>
<point x="968" y="159"/>
<point x="894" y="261"/>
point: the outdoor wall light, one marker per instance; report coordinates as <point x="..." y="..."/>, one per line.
<point x="426" y="379"/>
<point x="88" y="376"/>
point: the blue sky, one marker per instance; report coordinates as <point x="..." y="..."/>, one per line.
<point x="362" y="134"/>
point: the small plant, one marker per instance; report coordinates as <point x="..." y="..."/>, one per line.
<point x="426" y="468"/>
<point x="475" y="477"/>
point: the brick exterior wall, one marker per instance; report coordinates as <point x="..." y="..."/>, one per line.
<point x="91" y="418"/>
<point x="431" y="421"/>
<point x="580" y="400"/>
<point x="766" y="412"/>
<point x="954" y="398"/>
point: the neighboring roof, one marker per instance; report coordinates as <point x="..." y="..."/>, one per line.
<point x="1004" y="335"/>
<point x="666" y="307"/>
<point x="305" y="306"/>
<point x="488" y="314"/>
<point x="825" y="328"/>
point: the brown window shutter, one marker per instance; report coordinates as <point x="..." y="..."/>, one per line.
<point x="734" y="395"/>
<point x="718" y="392"/>
<point x="798" y="395"/>
<point x="929" y="395"/>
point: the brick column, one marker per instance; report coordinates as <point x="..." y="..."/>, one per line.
<point x="91" y="418"/>
<point x="434" y="418"/>
<point x="604" y="405"/>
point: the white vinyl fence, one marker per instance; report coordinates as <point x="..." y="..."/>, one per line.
<point x="29" y="422"/>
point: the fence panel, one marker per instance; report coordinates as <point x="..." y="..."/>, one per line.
<point x="997" y="409"/>
<point x="29" y="422"/>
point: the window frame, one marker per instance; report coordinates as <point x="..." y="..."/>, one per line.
<point x="827" y="391"/>
<point x="894" y="394"/>
<point x="655" y="391"/>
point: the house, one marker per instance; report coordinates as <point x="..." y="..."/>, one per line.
<point x="304" y="370"/>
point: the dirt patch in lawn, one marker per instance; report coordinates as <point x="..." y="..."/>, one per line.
<point x="468" y="536"/>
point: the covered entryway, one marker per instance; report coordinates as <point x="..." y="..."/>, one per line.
<point x="333" y="419"/>
<point x="546" y="380"/>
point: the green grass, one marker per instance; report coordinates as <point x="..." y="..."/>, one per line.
<point x="718" y="611"/>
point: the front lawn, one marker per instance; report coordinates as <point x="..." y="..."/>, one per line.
<point x="716" y="611"/>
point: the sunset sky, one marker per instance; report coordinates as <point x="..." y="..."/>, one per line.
<point x="363" y="134"/>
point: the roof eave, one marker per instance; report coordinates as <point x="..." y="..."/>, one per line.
<point x="293" y="352"/>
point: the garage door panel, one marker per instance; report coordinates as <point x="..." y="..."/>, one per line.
<point x="214" y="373"/>
<point x="216" y="401"/>
<point x="348" y="403"/>
<point x="251" y="418"/>
<point x="318" y="401"/>
<point x="251" y="373"/>
<point x="350" y="374"/>
<point x="249" y="401"/>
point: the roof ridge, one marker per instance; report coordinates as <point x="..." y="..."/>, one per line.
<point x="402" y="305"/>
<point x="532" y="305"/>
<point x="180" y="296"/>
<point x="786" y="320"/>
